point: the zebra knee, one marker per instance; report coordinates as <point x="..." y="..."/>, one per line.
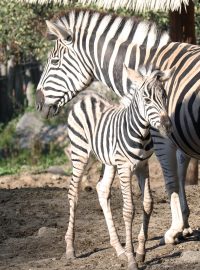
<point x="148" y="206"/>
<point x="103" y="194"/>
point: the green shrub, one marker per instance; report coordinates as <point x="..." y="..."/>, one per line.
<point x="14" y="160"/>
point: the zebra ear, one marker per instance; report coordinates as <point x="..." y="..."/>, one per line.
<point x="133" y="75"/>
<point x="55" y="31"/>
<point x="166" y="74"/>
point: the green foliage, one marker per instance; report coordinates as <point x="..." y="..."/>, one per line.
<point x="14" y="160"/>
<point x="25" y="161"/>
<point x="7" y="135"/>
<point x="22" y="28"/>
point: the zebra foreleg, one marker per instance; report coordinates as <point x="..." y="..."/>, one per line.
<point x="183" y="161"/>
<point x="128" y="212"/>
<point x="103" y="190"/>
<point x="79" y="165"/>
<point x="142" y="174"/>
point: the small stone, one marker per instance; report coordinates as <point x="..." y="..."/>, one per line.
<point x="56" y="170"/>
<point x="190" y="256"/>
<point x="45" y="231"/>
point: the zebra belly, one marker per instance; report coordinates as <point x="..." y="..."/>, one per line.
<point x="116" y="156"/>
<point x="136" y="157"/>
<point x="186" y="126"/>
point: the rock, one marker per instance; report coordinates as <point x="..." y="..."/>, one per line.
<point x="30" y="121"/>
<point x="30" y="129"/>
<point x="190" y="257"/>
<point x="57" y="134"/>
<point x="45" y="231"/>
<point x="56" y="170"/>
<point x="27" y="128"/>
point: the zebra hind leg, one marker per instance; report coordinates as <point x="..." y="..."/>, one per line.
<point x="182" y="164"/>
<point x="142" y="174"/>
<point x="103" y="189"/>
<point x="124" y="173"/>
<point x="79" y="164"/>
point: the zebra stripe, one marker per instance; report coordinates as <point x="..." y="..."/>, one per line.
<point x="119" y="137"/>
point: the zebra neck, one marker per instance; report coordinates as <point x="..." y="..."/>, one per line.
<point x="134" y="122"/>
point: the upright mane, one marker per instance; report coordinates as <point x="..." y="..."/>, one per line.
<point x="131" y="29"/>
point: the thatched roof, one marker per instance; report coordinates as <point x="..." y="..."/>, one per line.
<point x="136" y="5"/>
<point x="139" y="5"/>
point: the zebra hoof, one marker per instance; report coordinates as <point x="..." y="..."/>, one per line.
<point x="122" y="257"/>
<point x="132" y="266"/>
<point x="187" y="232"/>
<point x="140" y="257"/>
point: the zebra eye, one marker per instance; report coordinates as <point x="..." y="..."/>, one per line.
<point x="164" y="96"/>
<point x="55" y="61"/>
<point x="68" y="38"/>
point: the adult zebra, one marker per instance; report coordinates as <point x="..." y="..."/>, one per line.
<point x="93" y="45"/>
<point x="120" y="138"/>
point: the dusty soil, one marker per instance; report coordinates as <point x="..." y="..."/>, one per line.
<point x="34" y="213"/>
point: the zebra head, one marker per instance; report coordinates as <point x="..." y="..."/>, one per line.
<point x="150" y="96"/>
<point x="65" y="73"/>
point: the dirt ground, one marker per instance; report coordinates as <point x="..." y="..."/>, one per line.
<point x="34" y="213"/>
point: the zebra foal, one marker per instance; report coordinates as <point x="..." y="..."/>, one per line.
<point x="120" y="138"/>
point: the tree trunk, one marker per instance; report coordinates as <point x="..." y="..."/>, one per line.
<point x="182" y="29"/>
<point x="5" y="101"/>
<point x="182" y="25"/>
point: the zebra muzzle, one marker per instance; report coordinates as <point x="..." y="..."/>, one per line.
<point x="166" y="124"/>
<point x="47" y="111"/>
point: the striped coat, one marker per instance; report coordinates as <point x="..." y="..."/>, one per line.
<point x="120" y="138"/>
<point x="92" y="45"/>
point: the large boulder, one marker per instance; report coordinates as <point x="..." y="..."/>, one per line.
<point x="31" y="128"/>
<point x="27" y="128"/>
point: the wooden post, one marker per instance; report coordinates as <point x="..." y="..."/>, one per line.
<point x="182" y="29"/>
<point x="182" y="25"/>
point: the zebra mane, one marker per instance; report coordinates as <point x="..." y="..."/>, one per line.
<point x="127" y="99"/>
<point x="140" y="30"/>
